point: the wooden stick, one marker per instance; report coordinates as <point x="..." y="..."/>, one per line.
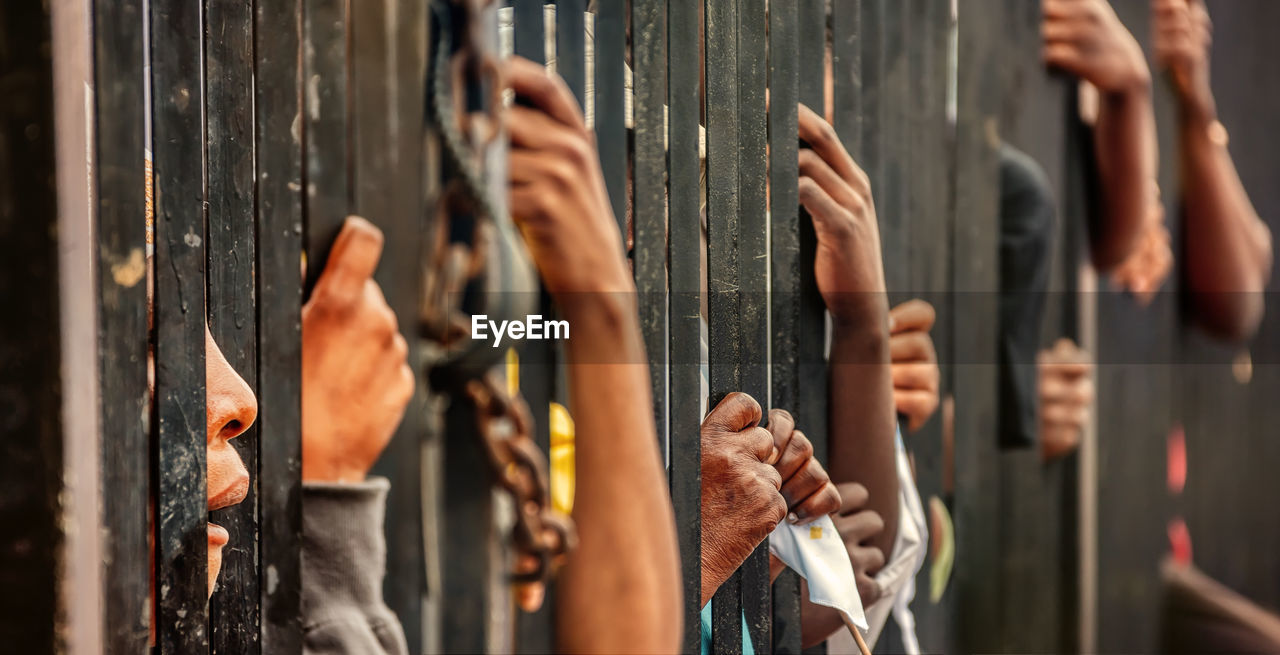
<point x="862" y="645"/>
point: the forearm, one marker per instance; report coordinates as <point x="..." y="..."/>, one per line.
<point x="621" y="590"/>
<point x="1127" y="155"/>
<point x="862" y="421"/>
<point x="1228" y="248"/>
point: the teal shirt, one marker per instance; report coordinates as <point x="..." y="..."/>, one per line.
<point x="747" y="648"/>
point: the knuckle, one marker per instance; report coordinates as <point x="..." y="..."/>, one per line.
<point x="802" y="446"/>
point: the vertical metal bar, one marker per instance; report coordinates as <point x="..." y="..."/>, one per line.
<point x="530" y="30"/>
<point x="928" y="258"/>
<point x="723" y="263"/>
<point x="325" y="126"/>
<point x="872" y="98"/>
<point x="277" y="105"/>
<point x="649" y="200"/>
<point x="846" y="69"/>
<point x="119" y="199"/>
<point x="974" y="275"/>
<point x="753" y="271"/>
<point x="179" y="457"/>
<point x="373" y="116"/>
<point x="610" y="121"/>
<point x="571" y="46"/>
<point x="684" y="257"/>
<point x="784" y="269"/>
<point x="229" y="130"/>
<point x="896" y="104"/>
<point x="811" y="407"/>
<point x="31" y="381"/>
<point x="811" y="402"/>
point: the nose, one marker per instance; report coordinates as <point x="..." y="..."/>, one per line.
<point x="232" y="407"/>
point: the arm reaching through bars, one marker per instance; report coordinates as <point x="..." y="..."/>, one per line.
<point x="1228" y="247"/>
<point x="356" y="384"/>
<point x="850" y="276"/>
<point x="620" y="590"/>
<point x="1087" y="39"/>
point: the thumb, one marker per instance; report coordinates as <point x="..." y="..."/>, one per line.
<point x="734" y="413"/>
<point x="352" y="260"/>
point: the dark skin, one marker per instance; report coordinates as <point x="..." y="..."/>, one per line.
<point x="857" y="526"/>
<point x="1086" y="39"/>
<point x="850" y="276"/>
<point x="620" y="590"/>
<point x="1228" y="249"/>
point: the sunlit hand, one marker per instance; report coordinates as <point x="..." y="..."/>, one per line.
<point x="1066" y="398"/>
<point x="1087" y="39"/>
<point x="558" y="195"/>
<point x="915" y="361"/>
<point x="741" y="501"/>
<point x="356" y="380"/>
<point x="1146" y="269"/>
<point x="1183" y="38"/>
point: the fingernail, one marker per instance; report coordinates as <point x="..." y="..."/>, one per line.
<point x="792" y="518"/>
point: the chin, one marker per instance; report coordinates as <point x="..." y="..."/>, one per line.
<point x="217" y="539"/>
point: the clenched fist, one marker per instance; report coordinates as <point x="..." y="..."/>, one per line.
<point x="356" y="380"/>
<point x="741" y="499"/>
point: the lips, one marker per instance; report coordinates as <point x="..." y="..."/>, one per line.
<point x="218" y="535"/>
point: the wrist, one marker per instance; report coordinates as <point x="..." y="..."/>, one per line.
<point x="1135" y="88"/>
<point x="861" y="313"/>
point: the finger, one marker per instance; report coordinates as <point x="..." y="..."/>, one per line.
<point x="811" y="165"/>
<point x="869" y="591"/>
<point x="760" y="444"/>
<point x="918" y="406"/>
<point x="912" y="315"/>
<point x="869" y="559"/>
<point x="826" y="500"/>
<point x="806" y="481"/>
<point x="781" y="425"/>
<point x="829" y="218"/>
<point x="912" y="347"/>
<point x="1057" y="31"/>
<point x="1064" y="414"/>
<point x="915" y="376"/>
<point x="853" y="497"/>
<point x="824" y="141"/>
<point x="532" y="129"/>
<point x="352" y="260"/>
<point x="734" y="413"/>
<point x="1064" y="56"/>
<point x="798" y="452"/>
<point x="546" y="91"/>
<point x="858" y="527"/>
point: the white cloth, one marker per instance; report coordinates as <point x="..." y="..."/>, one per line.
<point x="898" y="577"/>
<point x="817" y="553"/>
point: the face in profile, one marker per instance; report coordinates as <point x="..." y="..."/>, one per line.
<point x="231" y="409"/>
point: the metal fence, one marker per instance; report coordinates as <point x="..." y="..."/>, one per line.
<point x="266" y="123"/>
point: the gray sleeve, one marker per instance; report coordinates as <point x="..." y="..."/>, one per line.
<point x="343" y="563"/>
